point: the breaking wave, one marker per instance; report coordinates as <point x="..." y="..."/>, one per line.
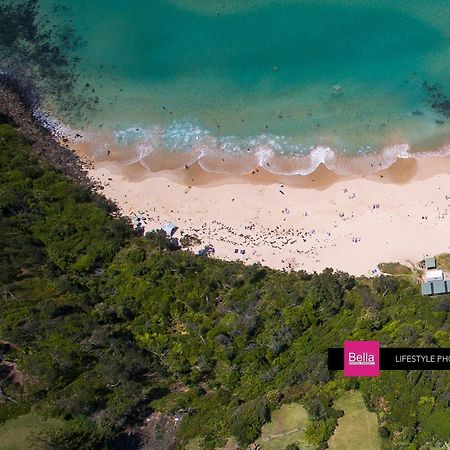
<point x="183" y="143"/>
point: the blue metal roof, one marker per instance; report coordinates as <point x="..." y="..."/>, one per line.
<point x="430" y="263"/>
<point x="435" y="287"/>
<point x="427" y="288"/>
<point x="439" y="287"/>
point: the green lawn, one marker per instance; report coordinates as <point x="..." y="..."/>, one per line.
<point x="193" y="444"/>
<point x="358" y="428"/>
<point x="394" y="268"/>
<point x="443" y="261"/>
<point x="287" y="426"/>
<point x="14" y="433"/>
<point x="230" y="445"/>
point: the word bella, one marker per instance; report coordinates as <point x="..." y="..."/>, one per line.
<point x="361" y="359"/>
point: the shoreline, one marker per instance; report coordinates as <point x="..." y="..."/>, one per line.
<point x="347" y="223"/>
<point x="147" y="154"/>
<point x="19" y="103"/>
<point x="350" y="223"/>
<point x="402" y="171"/>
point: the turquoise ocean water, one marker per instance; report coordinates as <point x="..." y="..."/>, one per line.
<point x="283" y="84"/>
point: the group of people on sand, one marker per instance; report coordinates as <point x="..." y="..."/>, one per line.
<point x="292" y="246"/>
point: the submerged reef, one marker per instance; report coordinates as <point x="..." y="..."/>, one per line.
<point x="39" y="61"/>
<point x="437" y="99"/>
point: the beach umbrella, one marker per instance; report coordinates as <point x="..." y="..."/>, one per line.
<point x="169" y="228"/>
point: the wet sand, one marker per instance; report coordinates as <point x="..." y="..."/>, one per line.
<point x="296" y="222"/>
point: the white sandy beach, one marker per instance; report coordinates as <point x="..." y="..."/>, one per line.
<point x="310" y="223"/>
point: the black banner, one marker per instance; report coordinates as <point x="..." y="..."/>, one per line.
<point x="400" y="359"/>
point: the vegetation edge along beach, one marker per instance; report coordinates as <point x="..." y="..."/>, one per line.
<point x="126" y="340"/>
<point x="19" y="102"/>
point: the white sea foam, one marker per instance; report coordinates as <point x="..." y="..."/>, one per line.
<point x="443" y="151"/>
<point x="183" y="136"/>
<point x="185" y="142"/>
<point x="131" y="135"/>
<point x="264" y="155"/>
<point x="51" y="123"/>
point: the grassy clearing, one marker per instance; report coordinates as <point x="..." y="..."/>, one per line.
<point x="193" y="444"/>
<point x="14" y="433"/>
<point x="358" y="428"/>
<point x="230" y="445"/>
<point x="443" y="261"/>
<point x="287" y="426"/>
<point x="394" y="268"/>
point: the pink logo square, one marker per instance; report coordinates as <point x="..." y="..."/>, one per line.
<point x="361" y="358"/>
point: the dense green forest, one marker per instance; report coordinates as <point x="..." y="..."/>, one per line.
<point x="101" y="327"/>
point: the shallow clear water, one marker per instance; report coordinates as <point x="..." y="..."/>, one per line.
<point x="220" y="79"/>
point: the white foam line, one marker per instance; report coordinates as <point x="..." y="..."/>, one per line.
<point x="267" y="151"/>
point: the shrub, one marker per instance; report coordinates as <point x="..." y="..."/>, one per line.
<point x="247" y="420"/>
